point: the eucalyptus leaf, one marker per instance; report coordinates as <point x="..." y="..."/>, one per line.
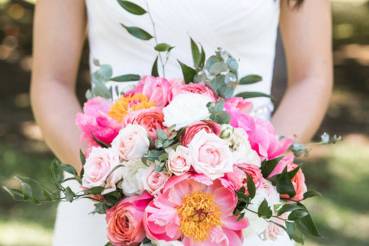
<point x="218" y="68"/>
<point x="132" y="7"/>
<point x="100" y="89"/>
<point x="250" y="79"/>
<point x="137" y="32"/>
<point x="69" y="194"/>
<point x="126" y="78"/>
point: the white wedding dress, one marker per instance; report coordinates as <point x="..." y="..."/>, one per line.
<point x="245" y="28"/>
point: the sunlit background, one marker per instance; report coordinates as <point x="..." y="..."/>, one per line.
<point x="340" y="172"/>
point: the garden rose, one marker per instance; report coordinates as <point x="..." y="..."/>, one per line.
<point x="95" y="123"/>
<point x="134" y="174"/>
<point x="179" y="160"/>
<point x="131" y="143"/>
<point x="211" y="155"/>
<point x="298" y="182"/>
<point x="197" y="88"/>
<point x="239" y="175"/>
<point x="150" y="119"/>
<point x="207" y="125"/>
<point x="186" y="109"/>
<point x="158" y="90"/>
<point x="125" y="220"/>
<point x="155" y="181"/>
<point x="98" y="169"/>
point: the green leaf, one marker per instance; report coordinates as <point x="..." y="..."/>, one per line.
<point x="218" y="68"/>
<point x="188" y="72"/>
<point x="163" y="47"/>
<point x="311" y="193"/>
<point x="56" y="171"/>
<point x="138" y="32"/>
<point x="132" y="7"/>
<point x="103" y="74"/>
<point x="268" y="166"/>
<point x="14" y="193"/>
<point x="126" y="78"/>
<point x="284" y="184"/>
<point x="100" y="89"/>
<point x="108" y="244"/>
<point x="252" y="94"/>
<point x="294" y="233"/>
<point x="288" y="208"/>
<point x="69" y="194"/>
<point x="202" y="59"/>
<point x="251" y="189"/>
<point x="196" y="55"/>
<point x="307" y="224"/>
<point x="82" y="157"/>
<point x="264" y="210"/>
<point x="94" y="190"/>
<point x="154" y="69"/>
<point x="297" y="214"/>
<point x="69" y="169"/>
<point x="250" y="79"/>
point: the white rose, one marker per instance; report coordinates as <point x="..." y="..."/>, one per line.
<point x="134" y="174"/>
<point x="258" y="225"/>
<point x="186" y="109"/>
<point x="211" y="155"/>
<point x="132" y="142"/>
<point x="100" y="169"/>
<point x="179" y="160"/>
<point x="240" y="146"/>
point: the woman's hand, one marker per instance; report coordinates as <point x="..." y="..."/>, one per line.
<point x="59" y="33"/>
<point x="306" y="34"/>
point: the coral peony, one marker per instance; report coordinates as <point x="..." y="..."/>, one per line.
<point x="125" y="220"/>
<point x="196" y="212"/>
<point x="95" y="123"/>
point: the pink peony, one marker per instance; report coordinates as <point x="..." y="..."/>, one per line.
<point x="206" y="125"/>
<point x="211" y="155"/>
<point x="179" y="160"/>
<point x="197" y="88"/>
<point x="125" y="220"/>
<point x="262" y="136"/>
<point x="157" y="90"/>
<point x="95" y="122"/>
<point x="195" y="211"/>
<point x="237" y="105"/>
<point x="150" y="119"/>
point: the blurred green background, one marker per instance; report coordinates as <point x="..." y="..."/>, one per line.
<point x="340" y="172"/>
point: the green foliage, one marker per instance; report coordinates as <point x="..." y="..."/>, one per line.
<point x="138" y="32"/>
<point x="163" y="47"/>
<point x="264" y="211"/>
<point x="252" y="94"/>
<point x="154" y="70"/>
<point x="126" y="78"/>
<point x="268" y="166"/>
<point x="132" y="7"/>
<point x="188" y="72"/>
<point x="250" y="79"/>
<point x="217" y="112"/>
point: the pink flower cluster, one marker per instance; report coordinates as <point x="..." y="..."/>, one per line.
<point x="186" y="194"/>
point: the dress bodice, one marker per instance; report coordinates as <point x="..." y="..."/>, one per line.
<point x="245" y="28"/>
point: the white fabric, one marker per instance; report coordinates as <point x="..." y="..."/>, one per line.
<point x="245" y="28"/>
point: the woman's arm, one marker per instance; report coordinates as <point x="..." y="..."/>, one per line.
<point x="59" y="33"/>
<point x="306" y="34"/>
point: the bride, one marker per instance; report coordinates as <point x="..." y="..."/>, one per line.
<point x="245" y="28"/>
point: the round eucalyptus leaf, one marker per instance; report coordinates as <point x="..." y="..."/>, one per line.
<point x="218" y="68"/>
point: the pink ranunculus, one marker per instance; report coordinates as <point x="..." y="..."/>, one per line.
<point x="157" y="90"/>
<point x="237" y="105"/>
<point x="125" y="220"/>
<point x="195" y="211"/>
<point x="262" y="135"/>
<point x="131" y="143"/>
<point x="238" y="177"/>
<point x="211" y="155"/>
<point x="197" y="88"/>
<point x="150" y="119"/>
<point x="207" y="125"/>
<point x="155" y="181"/>
<point x="179" y="160"/>
<point x="298" y="182"/>
<point x="95" y="122"/>
<point x="98" y="169"/>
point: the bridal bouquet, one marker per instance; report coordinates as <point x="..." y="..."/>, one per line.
<point x="182" y="162"/>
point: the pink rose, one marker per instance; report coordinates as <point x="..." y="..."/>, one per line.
<point x="125" y="220"/>
<point x="98" y="169"/>
<point x="132" y="142"/>
<point x="237" y="105"/>
<point x="155" y="181"/>
<point x="206" y="125"/>
<point x="197" y="88"/>
<point x="238" y="177"/>
<point x="211" y="155"/>
<point x="150" y="119"/>
<point x="298" y="182"/>
<point x="157" y="90"/>
<point x="95" y="122"/>
<point x="179" y="160"/>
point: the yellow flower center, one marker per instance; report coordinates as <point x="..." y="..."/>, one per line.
<point x="198" y="215"/>
<point x="127" y="104"/>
